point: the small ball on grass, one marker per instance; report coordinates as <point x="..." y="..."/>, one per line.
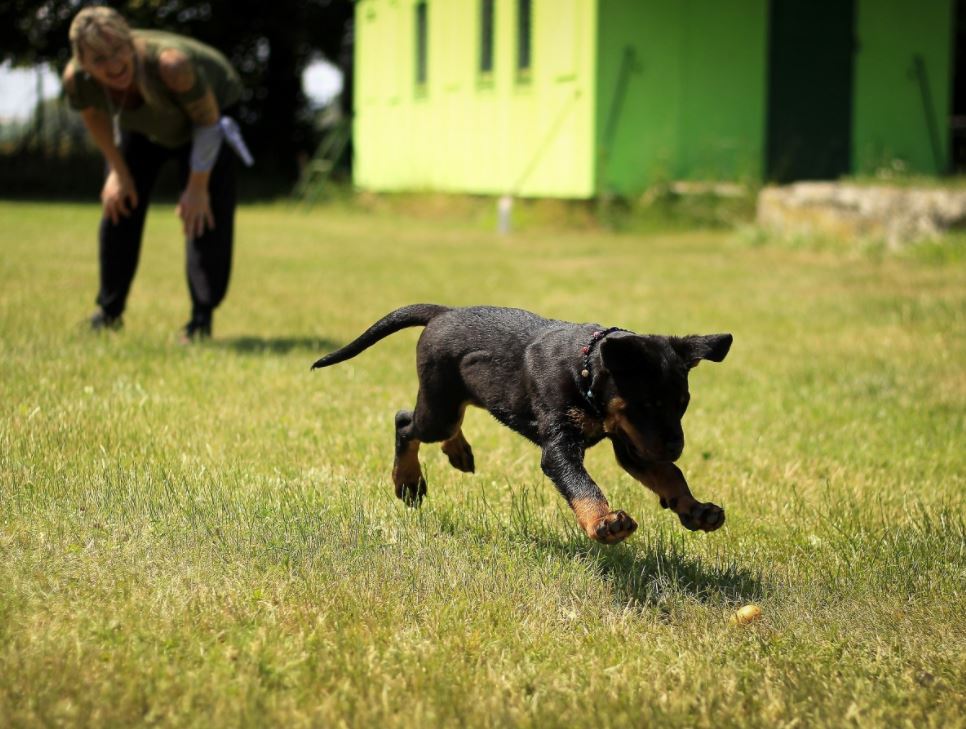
<point x="745" y="615"/>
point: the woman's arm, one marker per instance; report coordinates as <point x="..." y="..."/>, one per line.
<point x="119" y="195"/>
<point x="198" y="102"/>
<point x="100" y="128"/>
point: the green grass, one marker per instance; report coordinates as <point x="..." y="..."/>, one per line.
<point x="207" y="536"/>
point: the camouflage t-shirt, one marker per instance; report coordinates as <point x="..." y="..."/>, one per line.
<point x="162" y="117"/>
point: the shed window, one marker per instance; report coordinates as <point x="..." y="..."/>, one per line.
<point x="421" y="43"/>
<point x="486" y="37"/>
<point x="524" y="26"/>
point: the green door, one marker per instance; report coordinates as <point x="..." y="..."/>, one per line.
<point x="958" y="119"/>
<point x="809" y="126"/>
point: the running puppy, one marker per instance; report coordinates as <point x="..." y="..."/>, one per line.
<point x="564" y="386"/>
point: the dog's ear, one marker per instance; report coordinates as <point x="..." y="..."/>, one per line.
<point x="694" y="348"/>
<point x="629" y="353"/>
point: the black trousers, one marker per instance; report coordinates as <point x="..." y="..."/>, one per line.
<point x="208" y="258"/>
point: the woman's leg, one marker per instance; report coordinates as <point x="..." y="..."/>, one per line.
<point x="208" y="257"/>
<point x="120" y="244"/>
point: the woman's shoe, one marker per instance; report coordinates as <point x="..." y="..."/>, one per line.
<point x="196" y="330"/>
<point x="101" y="321"/>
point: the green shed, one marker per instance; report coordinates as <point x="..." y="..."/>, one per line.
<point x="575" y="98"/>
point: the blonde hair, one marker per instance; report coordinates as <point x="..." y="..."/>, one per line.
<point x="97" y="28"/>
<point x="92" y="28"/>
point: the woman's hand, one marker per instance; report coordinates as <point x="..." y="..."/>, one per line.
<point x="118" y="196"/>
<point x="194" y="209"/>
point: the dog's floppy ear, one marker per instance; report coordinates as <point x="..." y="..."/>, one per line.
<point x="628" y="353"/>
<point x="694" y="348"/>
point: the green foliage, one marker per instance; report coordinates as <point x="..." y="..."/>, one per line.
<point x="32" y="174"/>
<point x="207" y="536"/>
<point x="681" y="207"/>
<point x="661" y="210"/>
<point x="269" y="45"/>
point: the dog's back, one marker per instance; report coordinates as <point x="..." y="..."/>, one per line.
<point x="494" y="357"/>
<point x="504" y="333"/>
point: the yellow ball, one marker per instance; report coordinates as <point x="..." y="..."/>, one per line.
<point x="745" y="615"/>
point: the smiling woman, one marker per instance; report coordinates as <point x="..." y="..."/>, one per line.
<point x="110" y="59"/>
<point x="147" y="97"/>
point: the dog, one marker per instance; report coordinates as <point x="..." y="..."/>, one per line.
<point x="562" y="385"/>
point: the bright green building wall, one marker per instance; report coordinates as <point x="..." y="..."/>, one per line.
<point x="694" y="99"/>
<point x="530" y="137"/>
<point x="889" y="118"/>
<point x="693" y="105"/>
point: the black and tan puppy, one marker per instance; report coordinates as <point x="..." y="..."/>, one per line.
<point x="565" y="387"/>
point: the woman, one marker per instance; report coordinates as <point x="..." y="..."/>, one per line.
<point x="147" y="97"/>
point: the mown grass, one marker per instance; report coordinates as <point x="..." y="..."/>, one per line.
<point x="207" y="536"/>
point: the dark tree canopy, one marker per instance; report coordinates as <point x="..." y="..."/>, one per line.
<point x="270" y="43"/>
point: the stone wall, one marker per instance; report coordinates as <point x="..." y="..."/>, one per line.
<point x="896" y="215"/>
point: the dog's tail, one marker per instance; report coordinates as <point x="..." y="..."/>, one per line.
<point x="416" y="315"/>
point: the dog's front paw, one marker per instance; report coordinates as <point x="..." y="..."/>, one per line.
<point x="704" y="517"/>
<point x="408" y="479"/>
<point x="411" y="492"/>
<point x="613" y="528"/>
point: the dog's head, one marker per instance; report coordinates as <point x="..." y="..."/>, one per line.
<point x="648" y="390"/>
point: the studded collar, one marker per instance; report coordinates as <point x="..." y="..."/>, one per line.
<point x="586" y="380"/>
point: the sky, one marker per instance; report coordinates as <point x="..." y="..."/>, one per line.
<point x="18" y="90"/>
<point x="18" y="87"/>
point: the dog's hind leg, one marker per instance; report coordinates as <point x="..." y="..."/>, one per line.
<point x="407" y="475"/>
<point x="458" y="450"/>
<point x="437" y="417"/>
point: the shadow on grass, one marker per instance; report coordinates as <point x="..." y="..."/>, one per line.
<point x="313" y="346"/>
<point x="655" y="569"/>
<point x="650" y="573"/>
<point x="652" y="569"/>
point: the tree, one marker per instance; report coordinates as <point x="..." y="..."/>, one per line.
<point x="269" y="43"/>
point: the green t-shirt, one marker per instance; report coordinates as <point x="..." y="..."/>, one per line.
<point x="162" y="116"/>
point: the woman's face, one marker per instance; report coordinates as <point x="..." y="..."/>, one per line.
<point x="112" y="64"/>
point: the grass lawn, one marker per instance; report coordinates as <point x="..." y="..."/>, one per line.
<point x="207" y="536"/>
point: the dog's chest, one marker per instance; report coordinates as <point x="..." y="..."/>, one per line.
<point x="591" y="428"/>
